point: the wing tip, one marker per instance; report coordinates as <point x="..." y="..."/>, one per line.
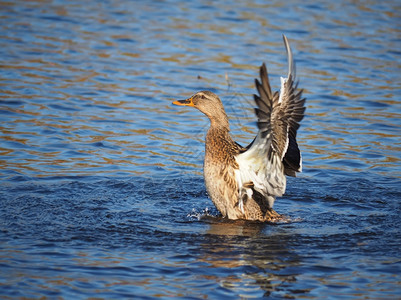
<point x="291" y="64"/>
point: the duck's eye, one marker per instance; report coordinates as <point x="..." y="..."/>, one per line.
<point x="203" y="97"/>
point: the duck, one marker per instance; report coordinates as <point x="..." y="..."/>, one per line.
<point x="243" y="182"/>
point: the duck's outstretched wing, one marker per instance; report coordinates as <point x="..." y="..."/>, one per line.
<point x="274" y="152"/>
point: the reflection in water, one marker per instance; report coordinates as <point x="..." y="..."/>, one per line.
<point x="261" y="260"/>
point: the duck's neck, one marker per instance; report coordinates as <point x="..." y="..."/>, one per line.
<point x="218" y="139"/>
<point x="219" y="120"/>
<point x="218" y="136"/>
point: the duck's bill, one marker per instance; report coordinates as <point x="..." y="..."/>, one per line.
<point x="186" y="102"/>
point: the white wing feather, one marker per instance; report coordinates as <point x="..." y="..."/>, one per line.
<point x="262" y="164"/>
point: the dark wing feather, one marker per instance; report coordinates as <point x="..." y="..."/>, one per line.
<point x="292" y="105"/>
<point x="274" y="152"/>
<point x="279" y="115"/>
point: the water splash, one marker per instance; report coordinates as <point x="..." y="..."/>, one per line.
<point x="196" y="215"/>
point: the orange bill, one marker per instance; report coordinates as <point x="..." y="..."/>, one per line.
<point x="186" y="102"/>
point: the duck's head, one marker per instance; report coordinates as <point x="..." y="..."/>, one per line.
<point x="208" y="103"/>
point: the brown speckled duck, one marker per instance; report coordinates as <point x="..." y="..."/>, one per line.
<point x="243" y="183"/>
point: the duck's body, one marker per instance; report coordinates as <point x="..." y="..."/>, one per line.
<point x="219" y="171"/>
<point x="243" y="183"/>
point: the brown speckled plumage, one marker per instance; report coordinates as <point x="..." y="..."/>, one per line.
<point x="243" y="182"/>
<point x="219" y="166"/>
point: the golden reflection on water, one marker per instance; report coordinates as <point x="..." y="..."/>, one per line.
<point x="309" y="137"/>
<point x="77" y="83"/>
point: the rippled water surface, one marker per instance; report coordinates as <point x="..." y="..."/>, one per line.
<point x="101" y="191"/>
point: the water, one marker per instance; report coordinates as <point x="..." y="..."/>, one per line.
<point x="101" y="182"/>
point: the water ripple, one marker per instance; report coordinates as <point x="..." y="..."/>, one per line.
<point x="101" y="187"/>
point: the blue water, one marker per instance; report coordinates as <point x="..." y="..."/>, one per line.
<point x="101" y="191"/>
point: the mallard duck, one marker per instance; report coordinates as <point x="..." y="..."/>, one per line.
<point x="243" y="182"/>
